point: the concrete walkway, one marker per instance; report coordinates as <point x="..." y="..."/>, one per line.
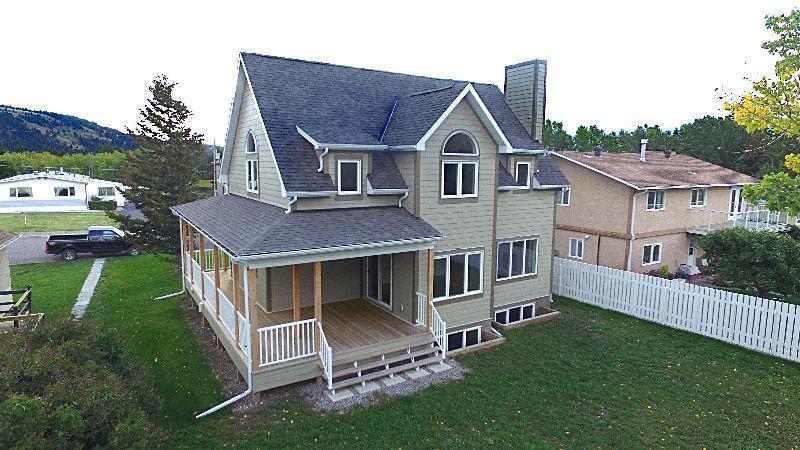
<point x="87" y="290"/>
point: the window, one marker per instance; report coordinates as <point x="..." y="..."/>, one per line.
<point x="105" y="191"/>
<point x="63" y="191"/>
<point x="460" y="143"/>
<point x="463" y="338"/>
<point x="562" y="198"/>
<point x="457" y="274"/>
<point x="252" y="175"/>
<point x="517" y="258"/>
<point x="515" y="314"/>
<point x="651" y="254"/>
<point x="459" y="179"/>
<point x="20" y="192"/>
<point x="655" y="200"/>
<point x="698" y="198"/>
<point x="576" y="248"/>
<point x="349" y="177"/>
<point x="379" y="279"/>
<point x="524" y="174"/>
<point x="250" y="143"/>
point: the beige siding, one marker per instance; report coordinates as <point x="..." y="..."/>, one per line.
<point x="406" y="164"/>
<point x="674" y="252"/>
<point x="612" y="250"/>
<point x="519" y="92"/>
<point x="679" y="214"/>
<point x="269" y="184"/>
<point x="526" y="213"/>
<point x="341" y="280"/>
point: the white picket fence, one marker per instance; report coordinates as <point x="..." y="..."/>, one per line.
<point x="759" y="324"/>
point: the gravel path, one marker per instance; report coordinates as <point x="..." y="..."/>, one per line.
<point x="85" y="296"/>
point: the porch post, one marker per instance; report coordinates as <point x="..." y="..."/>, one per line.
<point x="236" y="299"/>
<point x="201" y="256"/>
<point x="296" y="291"/>
<point x="215" y="253"/>
<point x="183" y="252"/>
<point x="317" y="298"/>
<point x="429" y="304"/>
<point x="252" y="296"/>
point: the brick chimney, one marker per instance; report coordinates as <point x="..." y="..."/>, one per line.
<point x="525" y="92"/>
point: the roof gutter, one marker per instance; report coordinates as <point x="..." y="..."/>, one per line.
<point x="289" y="206"/>
<point x="321" y="160"/>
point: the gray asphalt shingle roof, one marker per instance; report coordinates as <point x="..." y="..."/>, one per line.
<point x="504" y="178"/>
<point x="353" y="105"/>
<point x="385" y="174"/>
<point x="548" y="173"/>
<point x="252" y="228"/>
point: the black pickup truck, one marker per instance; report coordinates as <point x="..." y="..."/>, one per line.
<point x="98" y="241"/>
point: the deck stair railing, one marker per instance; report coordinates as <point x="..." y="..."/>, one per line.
<point x="421" y="304"/>
<point x="438" y="326"/>
<point x="286" y="342"/>
<point x="326" y="356"/>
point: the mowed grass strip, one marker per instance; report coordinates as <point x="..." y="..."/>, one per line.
<point x="592" y="378"/>
<point x="124" y="301"/>
<point x="62" y="221"/>
<point x="55" y="284"/>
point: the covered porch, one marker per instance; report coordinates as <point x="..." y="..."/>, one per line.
<point x="311" y="315"/>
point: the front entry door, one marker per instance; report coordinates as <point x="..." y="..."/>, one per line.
<point x="735" y="206"/>
<point x="692" y="255"/>
<point x="379" y="279"/>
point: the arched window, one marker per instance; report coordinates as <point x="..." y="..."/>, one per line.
<point x="250" y="143"/>
<point x="460" y="143"/>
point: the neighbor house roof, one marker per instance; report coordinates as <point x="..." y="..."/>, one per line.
<point x="339" y="105"/>
<point x="657" y="171"/>
<point x="254" y="228"/>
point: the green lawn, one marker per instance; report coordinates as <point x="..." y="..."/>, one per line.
<point x="591" y="378"/>
<point x="66" y="221"/>
<point x="55" y="284"/>
<point x="157" y="332"/>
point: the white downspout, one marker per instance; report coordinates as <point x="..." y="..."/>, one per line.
<point x="400" y="202"/>
<point x="629" y="265"/>
<point x="321" y="160"/>
<point x="246" y="288"/>
<point x="291" y="202"/>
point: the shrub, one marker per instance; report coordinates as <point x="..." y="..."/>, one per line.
<point x="73" y="385"/>
<point x="102" y="205"/>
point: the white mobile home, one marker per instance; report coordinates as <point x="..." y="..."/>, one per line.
<point x="55" y="192"/>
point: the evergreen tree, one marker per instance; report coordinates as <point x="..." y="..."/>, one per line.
<point x="162" y="173"/>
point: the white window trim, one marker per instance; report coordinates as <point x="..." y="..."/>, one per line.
<point x="511" y="258"/>
<point x="459" y="182"/>
<point x="660" y="253"/>
<point x="255" y="143"/>
<point x="663" y="201"/>
<point x="698" y="205"/>
<point x="249" y="163"/>
<point x="339" y="163"/>
<point x="516" y="174"/>
<point x="447" y="257"/>
<point x="464" y="337"/>
<point x="474" y="144"/>
<point x="583" y="248"/>
<point x="521" y="307"/>
<point x="560" y="194"/>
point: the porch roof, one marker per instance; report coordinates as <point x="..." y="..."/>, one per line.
<point x="250" y="229"/>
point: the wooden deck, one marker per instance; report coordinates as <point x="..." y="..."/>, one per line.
<point x="350" y="324"/>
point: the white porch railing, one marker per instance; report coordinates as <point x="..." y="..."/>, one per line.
<point x="196" y="275"/>
<point x="421" y="305"/>
<point x="208" y="255"/>
<point x="439" y="330"/>
<point x="286" y="342"/>
<point x="761" y="219"/>
<point x="244" y="333"/>
<point x="227" y="313"/>
<point x="210" y="289"/>
<point x="326" y="355"/>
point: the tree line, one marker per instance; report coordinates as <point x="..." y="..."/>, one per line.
<point x="718" y="140"/>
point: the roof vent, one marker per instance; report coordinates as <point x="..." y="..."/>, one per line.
<point x="667" y="153"/>
<point x="642" y="150"/>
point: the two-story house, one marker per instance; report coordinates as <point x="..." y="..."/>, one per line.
<point x="641" y="211"/>
<point x="372" y="221"/>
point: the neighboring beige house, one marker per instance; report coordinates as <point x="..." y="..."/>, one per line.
<point x="372" y="221"/>
<point x="641" y="211"/>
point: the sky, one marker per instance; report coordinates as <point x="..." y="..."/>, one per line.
<point x="615" y="64"/>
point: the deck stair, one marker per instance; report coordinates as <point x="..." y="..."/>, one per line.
<point x="408" y="354"/>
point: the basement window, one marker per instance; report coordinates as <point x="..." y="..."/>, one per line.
<point x="515" y="314"/>
<point x="576" y="248"/>
<point x="463" y="338"/>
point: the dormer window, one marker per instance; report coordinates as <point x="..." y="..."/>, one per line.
<point x="250" y="143"/>
<point x="524" y="175"/>
<point x="460" y="143"/>
<point x="349" y="177"/>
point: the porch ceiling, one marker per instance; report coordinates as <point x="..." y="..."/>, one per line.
<point x="264" y="235"/>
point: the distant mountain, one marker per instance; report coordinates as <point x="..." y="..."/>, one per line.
<point x="36" y="131"/>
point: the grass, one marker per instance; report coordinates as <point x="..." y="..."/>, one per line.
<point x="62" y="221"/>
<point x="591" y="378"/>
<point x="157" y="332"/>
<point x="55" y="284"/>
